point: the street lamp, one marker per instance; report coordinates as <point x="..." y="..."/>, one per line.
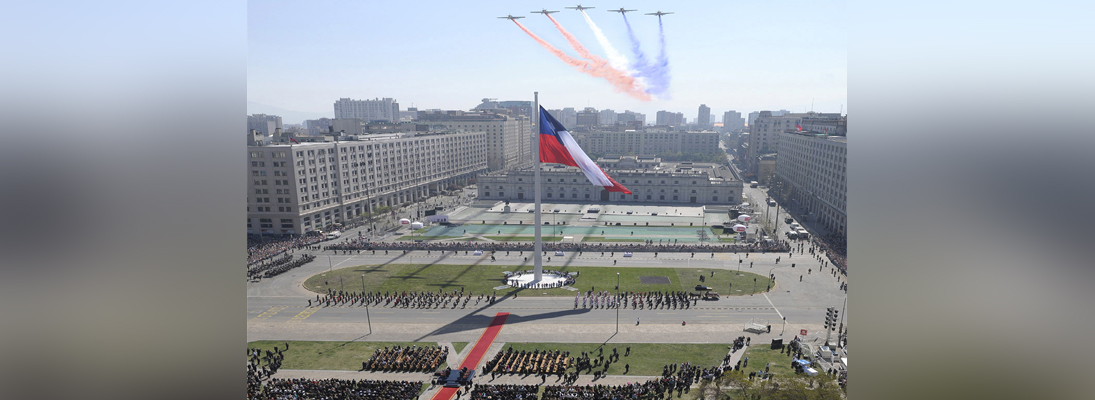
<point x="367" y="317"/>
<point x="784" y="326"/>
<point x="617" y="302"/>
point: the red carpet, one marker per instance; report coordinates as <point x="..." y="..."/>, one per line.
<point x="477" y="352"/>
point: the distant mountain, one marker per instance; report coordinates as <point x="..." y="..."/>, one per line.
<point x="287" y="116"/>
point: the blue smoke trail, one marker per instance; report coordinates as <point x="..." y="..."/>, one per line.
<point x="662" y="65"/>
<point x="654" y="75"/>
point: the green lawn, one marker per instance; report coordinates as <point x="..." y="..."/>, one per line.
<point x="338" y="356"/>
<point x="485" y="277"/>
<point x="761" y="354"/>
<point x="459" y="346"/>
<point x="646" y="359"/>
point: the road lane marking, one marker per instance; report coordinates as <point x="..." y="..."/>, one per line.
<point x="268" y="313"/>
<point x="773" y="305"/>
<point x="303" y="315"/>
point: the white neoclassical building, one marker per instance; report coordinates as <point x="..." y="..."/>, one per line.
<point x="649" y="180"/>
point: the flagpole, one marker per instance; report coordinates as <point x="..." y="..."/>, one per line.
<point x="538" y="248"/>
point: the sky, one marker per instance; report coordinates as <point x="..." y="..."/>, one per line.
<point x="729" y="55"/>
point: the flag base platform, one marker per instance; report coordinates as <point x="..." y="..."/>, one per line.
<point x="528" y="280"/>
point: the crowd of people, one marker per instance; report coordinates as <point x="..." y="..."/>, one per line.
<point x="404" y="299"/>
<point x="266" y="269"/>
<point x="528" y="362"/>
<point x="363" y="244"/>
<point x="652" y="389"/>
<point x="261" y="366"/>
<point x="835" y="248"/>
<point x="263" y="248"/>
<point x="296" y="389"/>
<point x="505" y="392"/>
<point x="406" y="359"/>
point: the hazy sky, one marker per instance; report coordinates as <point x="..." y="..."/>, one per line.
<point x="745" y="56"/>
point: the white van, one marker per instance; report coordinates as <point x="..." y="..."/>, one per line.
<point x="754" y="184"/>
<point x="334" y="235"/>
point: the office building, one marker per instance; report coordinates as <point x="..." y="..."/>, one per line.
<point x="607" y="117"/>
<point x="703" y="118"/>
<point x="732" y="121"/>
<point x="650" y="141"/>
<point x="267" y="125"/>
<point x="763" y="137"/>
<point x="666" y="118"/>
<point x="813" y="167"/>
<point x="298" y="188"/>
<point x="386" y="109"/>
<point x="588" y="118"/>
<point x="631" y="118"/>
<point x="509" y="137"/>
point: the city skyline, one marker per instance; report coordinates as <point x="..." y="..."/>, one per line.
<point x="298" y="67"/>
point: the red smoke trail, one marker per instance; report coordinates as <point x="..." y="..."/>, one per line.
<point x="574" y="42"/>
<point x="596" y="67"/>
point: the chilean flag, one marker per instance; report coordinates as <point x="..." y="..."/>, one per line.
<point x="799" y="127"/>
<point x="557" y="146"/>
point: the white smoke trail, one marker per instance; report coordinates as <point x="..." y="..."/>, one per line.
<point x="615" y="59"/>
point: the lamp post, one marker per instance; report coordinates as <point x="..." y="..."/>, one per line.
<point x="367" y="318"/>
<point x="617" y="302"/>
<point x="784" y="326"/>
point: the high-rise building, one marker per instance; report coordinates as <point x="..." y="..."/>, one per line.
<point x="669" y="118"/>
<point x="763" y="137"/>
<point x="753" y="117"/>
<point x="298" y="188"/>
<point x="703" y="118"/>
<point x="509" y="137"/>
<point x="607" y="117"/>
<point x="631" y="118"/>
<point x="318" y="126"/>
<point x="813" y="165"/>
<point x="386" y="109"/>
<point x="732" y="121"/>
<point x="267" y="125"/>
<point x="589" y="117"/>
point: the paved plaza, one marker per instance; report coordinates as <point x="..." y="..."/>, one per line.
<point x="277" y="307"/>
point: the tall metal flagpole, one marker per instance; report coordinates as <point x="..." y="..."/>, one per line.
<point x="538" y="249"/>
